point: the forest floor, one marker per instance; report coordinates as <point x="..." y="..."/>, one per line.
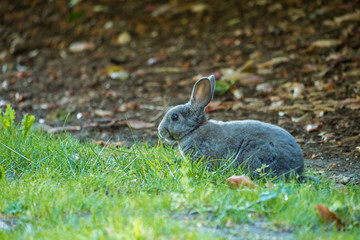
<point x="94" y="67"/>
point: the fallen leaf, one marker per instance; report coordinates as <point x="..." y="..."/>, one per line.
<point x="230" y="77"/>
<point x="308" y="68"/>
<point x="121" y="75"/>
<point x="213" y="106"/>
<point x="128" y="106"/>
<point x="330" y="85"/>
<point x="312" y="127"/>
<point x="138" y="124"/>
<point x="218" y="105"/>
<point x="357" y="148"/>
<point x="250" y="79"/>
<point x="46" y="106"/>
<point x="112" y="69"/>
<point x="255" y="55"/>
<point x="249" y="65"/>
<point x="237" y="93"/>
<point x="221" y="87"/>
<point x="155" y="60"/>
<point x="124" y="38"/>
<point x="76" y="15"/>
<point x="103" y="113"/>
<point x="273" y="62"/>
<point x="116" y="72"/>
<point x="232" y="42"/>
<point x="325" y="43"/>
<point x="49" y="129"/>
<point x="81" y="46"/>
<point x="335" y="57"/>
<point x="19" y="97"/>
<point x="23" y="74"/>
<point x="265" y="88"/>
<point x="233" y="21"/>
<point x="199" y="7"/>
<point x="241" y="181"/>
<point x="348" y="17"/>
<point x="141" y="29"/>
<point x="329" y="217"/>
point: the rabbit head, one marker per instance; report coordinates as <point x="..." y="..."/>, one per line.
<point x="181" y="120"/>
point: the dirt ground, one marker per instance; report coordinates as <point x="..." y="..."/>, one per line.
<point x="91" y="67"/>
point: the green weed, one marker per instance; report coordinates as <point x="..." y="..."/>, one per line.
<point x="7" y="118"/>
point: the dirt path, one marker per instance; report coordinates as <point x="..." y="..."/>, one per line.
<point x="291" y="63"/>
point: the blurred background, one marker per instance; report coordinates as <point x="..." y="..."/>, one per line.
<point x="94" y="68"/>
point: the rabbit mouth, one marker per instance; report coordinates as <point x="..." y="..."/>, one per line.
<point x="165" y="134"/>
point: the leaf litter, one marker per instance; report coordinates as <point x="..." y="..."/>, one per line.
<point x="295" y="71"/>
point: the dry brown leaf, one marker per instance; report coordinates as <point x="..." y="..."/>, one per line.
<point x="123" y="38"/>
<point x="348" y="17"/>
<point x="237" y="93"/>
<point x="312" y="127"/>
<point x="103" y="113"/>
<point x="308" y="68"/>
<point x="247" y="67"/>
<point x="352" y="103"/>
<point x="199" y="7"/>
<point x="241" y="181"/>
<point x="138" y="124"/>
<point x="81" y="46"/>
<point x="325" y="43"/>
<point x="141" y="29"/>
<point x="329" y="217"/>
<point x="214" y="106"/>
<point x="250" y="79"/>
<point x="218" y="106"/>
<point x="61" y="129"/>
<point x="23" y="74"/>
<point x="128" y="106"/>
<point x="330" y="85"/>
<point x="272" y="62"/>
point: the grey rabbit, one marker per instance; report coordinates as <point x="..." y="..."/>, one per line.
<point x="248" y="143"/>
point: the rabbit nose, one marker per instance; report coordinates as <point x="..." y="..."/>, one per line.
<point x="161" y="130"/>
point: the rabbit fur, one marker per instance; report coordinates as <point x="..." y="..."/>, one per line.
<point x="248" y="143"/>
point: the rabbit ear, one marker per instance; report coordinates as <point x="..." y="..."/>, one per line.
<point x="203" y="92"/>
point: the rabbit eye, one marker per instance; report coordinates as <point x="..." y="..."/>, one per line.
<point x="174" y="117"/>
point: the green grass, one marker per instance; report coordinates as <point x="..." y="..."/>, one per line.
<point x="56" y="187"/>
